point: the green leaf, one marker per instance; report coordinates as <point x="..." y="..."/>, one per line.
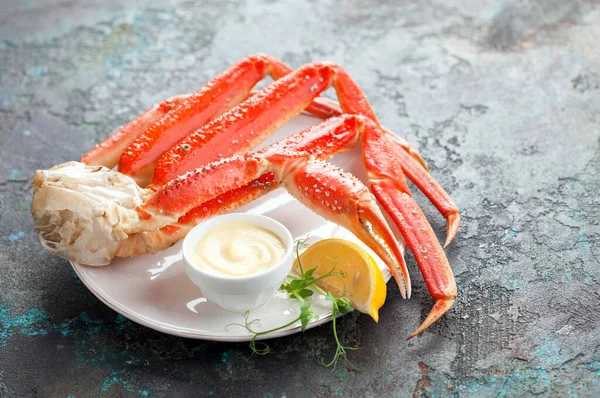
<point x="309" y="273"/>
<point x="295" y="285"/>
<point x="304" y="293"/>
<point x="305" y="314"/>
<point x="343" y="305"/>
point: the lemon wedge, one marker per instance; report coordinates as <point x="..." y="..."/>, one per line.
<point x="362" y="282"/>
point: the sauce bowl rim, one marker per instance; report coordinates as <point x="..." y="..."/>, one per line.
<point x="199" y="231"/>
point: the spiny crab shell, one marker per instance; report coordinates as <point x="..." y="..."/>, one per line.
<point x="85" y="212"/>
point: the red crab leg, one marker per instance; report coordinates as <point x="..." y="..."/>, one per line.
<point x="319" y="184"/>
<point x="252" y="121"/>
<point x="108" y="152"/>
<point x="384" y="160"/>
<point x="424" y="245"/>
<point x="244" y="126"/>
<point x="351" y="205"/>
<point x="332" y="109"/>
<point x="320" y="141"/>
<point x="217" y="96"/>
<point x="384" y="165"/>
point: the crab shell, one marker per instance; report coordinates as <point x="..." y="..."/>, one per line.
<point x="84" y="212"/>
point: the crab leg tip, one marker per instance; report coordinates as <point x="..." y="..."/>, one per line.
<point x="404" y="291"/>
<point x="439" y="309"/>
<point x="452" y="228"/>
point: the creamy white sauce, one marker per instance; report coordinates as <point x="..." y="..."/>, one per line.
<point x="238" y="249"/>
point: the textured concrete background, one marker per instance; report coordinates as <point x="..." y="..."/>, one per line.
<point x="501" y="98"/>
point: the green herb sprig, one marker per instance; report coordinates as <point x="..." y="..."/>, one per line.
<point x="300" y="288"/>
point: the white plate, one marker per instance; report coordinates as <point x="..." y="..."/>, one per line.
<point x="154" y="291"/>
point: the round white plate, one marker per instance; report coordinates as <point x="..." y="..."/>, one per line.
<point x="154" y="291"/>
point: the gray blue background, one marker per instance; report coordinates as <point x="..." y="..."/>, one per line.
<point x="502" y="98"/>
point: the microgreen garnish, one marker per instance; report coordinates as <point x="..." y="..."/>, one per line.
<point x="340" y="306"/>
<point x="299" y="288"/>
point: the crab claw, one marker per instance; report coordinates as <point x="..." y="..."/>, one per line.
<point x="424" y="245"/>
<point x="372" y="226"/>
<point x="345" y="200"/>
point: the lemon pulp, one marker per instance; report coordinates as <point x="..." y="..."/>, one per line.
<point x="361" y="280"/>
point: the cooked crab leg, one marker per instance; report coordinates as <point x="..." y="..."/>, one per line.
<point x="163" y="125"/>
<point x="350" y="204"/>
<point x="244" y="126"/>
<point x="311" y="184"/>
<point x="256" y="118"/>
<point x="219" y="95"/>
<point x="108" y="152"/>
<point x="424" y="245"/>
<point x="249" y="123"/>
<point x="384" y="159"/>
<point x="331" y="108"/>
<point x="320" y="141"/>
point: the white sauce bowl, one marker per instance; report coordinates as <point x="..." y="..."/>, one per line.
<point x="238" y="293"/>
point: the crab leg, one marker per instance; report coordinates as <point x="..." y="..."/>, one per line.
<point x="424" y="245"/>
<point x="319" y="141"/>
<point x="219" y="95"/>
<point x="163" y="125"/>
<point x="249" y="123"/>
<point x="244" y="126"/>
<point x="311" y="183"/>
<point x="351" y="205"/>
<point x="108" y="152"/>
<point x="384" y="167"/>
<point x="256" y="118"/>
<point x="384" y="159"/>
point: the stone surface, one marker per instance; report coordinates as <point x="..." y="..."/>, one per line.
<point x="501" y="98"/>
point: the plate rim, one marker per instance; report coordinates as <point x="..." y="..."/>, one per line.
<point x="175" y="330"/>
